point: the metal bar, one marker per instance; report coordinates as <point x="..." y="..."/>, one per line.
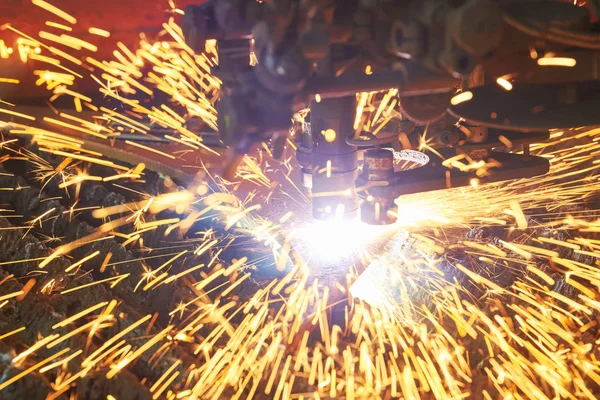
<point x="414" y="79"/>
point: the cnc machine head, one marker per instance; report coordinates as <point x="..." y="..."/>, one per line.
<point x="479" y="78"/>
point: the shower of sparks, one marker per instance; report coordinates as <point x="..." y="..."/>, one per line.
<point x="486" y="291"/>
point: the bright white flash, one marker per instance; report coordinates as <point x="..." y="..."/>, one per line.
<point x="335" y="240"/>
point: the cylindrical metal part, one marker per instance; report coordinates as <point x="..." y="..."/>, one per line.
<point x="378" y="167"/>
<point x="334" y="163"/>
<point x="379" y="164"/>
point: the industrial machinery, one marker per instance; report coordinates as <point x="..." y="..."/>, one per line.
<point x="476" y="78"/>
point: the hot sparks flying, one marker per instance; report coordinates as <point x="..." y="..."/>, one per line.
<point x="211" y="290"/>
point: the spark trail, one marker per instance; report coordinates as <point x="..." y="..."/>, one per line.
<point x="484" y="292"/>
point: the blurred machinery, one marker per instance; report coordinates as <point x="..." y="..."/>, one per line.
<point x="478" y="78"/>
<point x="125" y="21"/>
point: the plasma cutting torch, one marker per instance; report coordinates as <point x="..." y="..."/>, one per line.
<point x="478" y="78"/>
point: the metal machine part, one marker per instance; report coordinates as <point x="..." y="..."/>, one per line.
<point x="446" y="35"/>
<point x="379" y="208"/>
<point x="533" y="106"/>
<point x="330" y="164"/>
<point x="221" y="20"/>
<point x="293" y="41"/>
<point x="378" y="169"/>
<point x="429" y="50"/>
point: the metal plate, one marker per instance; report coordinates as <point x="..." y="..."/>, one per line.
<point x="433" y="177"/>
